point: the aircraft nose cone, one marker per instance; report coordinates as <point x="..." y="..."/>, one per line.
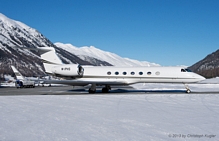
<point x="201" y="78"/>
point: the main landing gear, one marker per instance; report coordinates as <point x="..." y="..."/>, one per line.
<point x="92" y="89"/>
<point x="105" y="89"/>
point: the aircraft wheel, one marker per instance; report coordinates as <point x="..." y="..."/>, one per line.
<point x="105" y="90"/>
<point x="91" y="91"/>
<point x="188" y="91"/>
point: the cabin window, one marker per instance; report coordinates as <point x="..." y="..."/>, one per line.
<point x="132" y="73"/>
<point x="140" y="73"/>
<point x="109" y="73"/>
<point x="116" y="73"/>
<point x="183" y="70"/>
<point x="149" y="73"/>
<point x="157" y="73"/>
<point x="124" y="73"/>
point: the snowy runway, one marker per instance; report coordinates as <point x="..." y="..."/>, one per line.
<point x="156" y="116"/>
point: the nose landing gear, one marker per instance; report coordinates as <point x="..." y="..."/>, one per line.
<point x="187" y="89"/>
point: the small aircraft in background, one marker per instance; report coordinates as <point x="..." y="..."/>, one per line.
<point x="28" y="80"/>
<point x="21" y="81"/>
<point x="78" y="75"/>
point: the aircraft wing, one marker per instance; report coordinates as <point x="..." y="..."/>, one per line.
<point x="80" y="82"/>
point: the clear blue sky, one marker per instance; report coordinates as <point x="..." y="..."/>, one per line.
<point x="167" y="32"/>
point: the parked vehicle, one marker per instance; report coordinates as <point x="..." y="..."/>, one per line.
<point x="24" y="84"/>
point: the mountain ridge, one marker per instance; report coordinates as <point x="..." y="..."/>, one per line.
<point x="15" y="33"/>
<point x="112" y="58"/>
<point x="208" y="66"/>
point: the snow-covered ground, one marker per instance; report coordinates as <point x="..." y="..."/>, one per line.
<point x="207" y="85"/>
<point x="123" y="116"/>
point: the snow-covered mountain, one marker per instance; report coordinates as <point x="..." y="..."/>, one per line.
<point x="15" y="33"/>
<point x="209" y="66"/>
<point x="112" y="58"/>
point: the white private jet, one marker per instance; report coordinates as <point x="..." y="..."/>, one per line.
<point x="107" y="76"/>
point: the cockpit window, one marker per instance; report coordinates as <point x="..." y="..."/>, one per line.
<point x="186" y="70"/>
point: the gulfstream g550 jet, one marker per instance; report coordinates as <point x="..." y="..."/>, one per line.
<point x="107" y="76"/>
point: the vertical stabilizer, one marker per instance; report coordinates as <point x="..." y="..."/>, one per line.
<point x="49" y="57"/>
<point x="17" y="73"/>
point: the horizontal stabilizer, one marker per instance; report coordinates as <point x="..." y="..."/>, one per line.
<point x="49" y="57"/>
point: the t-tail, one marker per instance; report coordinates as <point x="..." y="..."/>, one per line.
<point x="18" y="75"/>
<point x="50" y="58"/>
<point x="53" y="64"/>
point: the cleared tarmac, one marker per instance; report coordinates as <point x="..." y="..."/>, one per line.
<point x="66" y="90"/>
<point x="38" y="91"/>
<point x="69" y="90"/>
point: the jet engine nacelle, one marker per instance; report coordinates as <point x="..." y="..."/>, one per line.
<point x="74" y="70"/>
